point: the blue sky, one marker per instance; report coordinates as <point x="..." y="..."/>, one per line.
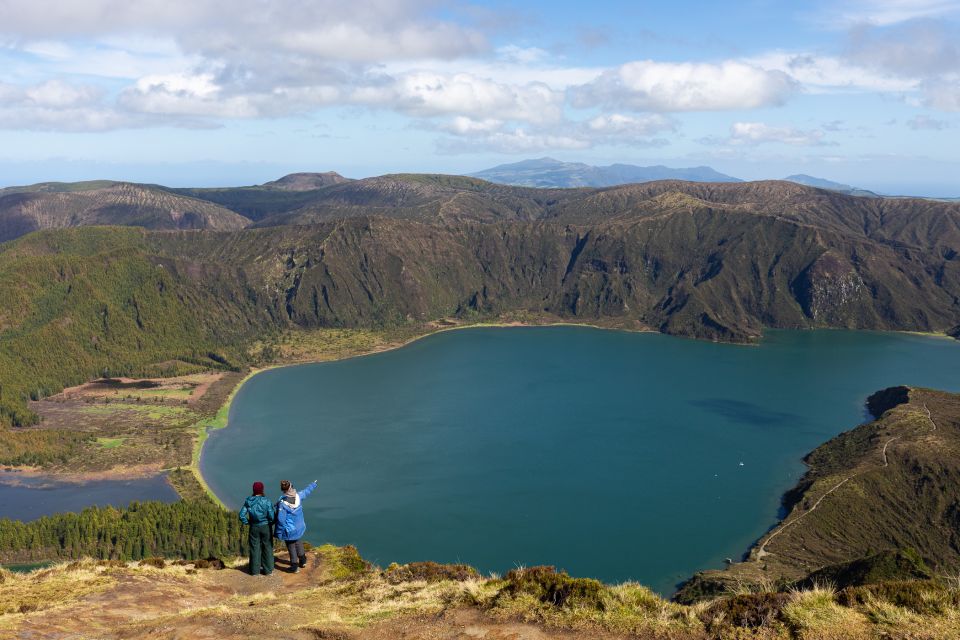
<point x="211" y="92"/>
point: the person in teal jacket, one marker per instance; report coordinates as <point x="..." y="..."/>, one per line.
<point x="290" y="524"/>
<point x="258" y="512"/>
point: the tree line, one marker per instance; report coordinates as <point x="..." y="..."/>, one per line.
<point x="187" y="529"/>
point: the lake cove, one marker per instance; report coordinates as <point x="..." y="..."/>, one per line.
<point x="28" y="497"/>
<point x="616" y="455"/>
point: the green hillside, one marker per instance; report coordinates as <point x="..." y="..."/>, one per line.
<point x="82" y="303"/>
<point x="712" y="261"/>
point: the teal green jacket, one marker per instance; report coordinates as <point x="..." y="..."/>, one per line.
<point x="257" y="510"/>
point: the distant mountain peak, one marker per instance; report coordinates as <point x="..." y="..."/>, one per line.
<point x="306" y="181"/>
<point x="550" y="172"/>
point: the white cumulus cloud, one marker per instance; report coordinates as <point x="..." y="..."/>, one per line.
<point x="607" y="129"/>
<point x="755" y="133"/>
<point x="648" y="85"/>
<point x="360" y="31"/>
<point x="426" y="93"/>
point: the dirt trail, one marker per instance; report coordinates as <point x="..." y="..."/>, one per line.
<point x="930" y="417"/>
<point x="884" y="452"/>
<point x="762" y="549"/>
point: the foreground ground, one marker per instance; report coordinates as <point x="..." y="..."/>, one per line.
<point x="339" y="596"/>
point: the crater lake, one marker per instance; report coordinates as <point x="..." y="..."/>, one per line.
<point x="615" y="455"/>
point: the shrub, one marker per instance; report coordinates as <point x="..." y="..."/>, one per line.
<point x="555" y="588"/>
<point x="751" y="610"/>
<point x="429" y="572"/>
<point x="112" y="563"/>
<point x="209" y="563"/>
<point x="159" y="563"/>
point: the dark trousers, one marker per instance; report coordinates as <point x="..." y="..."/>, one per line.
<point x="295" y="549"/>
<point x="261" y="549"/>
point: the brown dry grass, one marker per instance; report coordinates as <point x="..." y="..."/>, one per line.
<point x="341" y="596"/>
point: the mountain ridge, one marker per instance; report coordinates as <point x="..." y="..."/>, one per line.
<point x="717" y="261"/>
<point x="55" y="205"/>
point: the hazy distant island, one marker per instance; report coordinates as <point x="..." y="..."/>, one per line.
<point x="547" y="172"/>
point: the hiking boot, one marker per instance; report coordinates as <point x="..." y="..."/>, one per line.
<point x="303" y="561"/>
<point x="295" y="569"/>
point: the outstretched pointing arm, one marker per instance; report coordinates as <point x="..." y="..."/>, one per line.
<point x="308" y="489"/>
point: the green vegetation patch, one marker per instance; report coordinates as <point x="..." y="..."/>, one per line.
<point x="343" y="562"/>
<point x="156" y="413"/>
<point x="110" y="443"/>
<point x="882" y="567"/>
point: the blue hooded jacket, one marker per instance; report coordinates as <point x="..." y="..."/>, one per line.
<point x="290" y="524"/>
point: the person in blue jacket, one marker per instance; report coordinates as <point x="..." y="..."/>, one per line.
<point x="290" y="525"/>
<point x="259" y="513"/>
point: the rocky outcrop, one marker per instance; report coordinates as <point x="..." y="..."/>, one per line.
<point x="831" y="291"/>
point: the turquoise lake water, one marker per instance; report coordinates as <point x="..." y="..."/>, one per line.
<point x="609" y="454"/>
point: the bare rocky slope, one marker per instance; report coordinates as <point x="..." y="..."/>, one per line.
<point x="52" y="206"/>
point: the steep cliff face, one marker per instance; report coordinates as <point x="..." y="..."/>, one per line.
<point x="832" y="292"/>
<point x="703" y="273"/>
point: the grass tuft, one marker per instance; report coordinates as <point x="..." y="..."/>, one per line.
<point x="814" y="613"/>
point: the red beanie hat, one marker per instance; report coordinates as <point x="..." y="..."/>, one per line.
<point x="258" y="488"/>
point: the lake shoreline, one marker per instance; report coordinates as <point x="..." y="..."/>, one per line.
<point x="29" y="495"/>
<point x="221" y="421"/>
<point x="771" y="413"/>
<point x="81" y="477"/>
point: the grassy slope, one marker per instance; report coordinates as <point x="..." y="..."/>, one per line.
<point x="341" y="596"/>
<point x="81" y="303"/>
<point x="890" y="484"/>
